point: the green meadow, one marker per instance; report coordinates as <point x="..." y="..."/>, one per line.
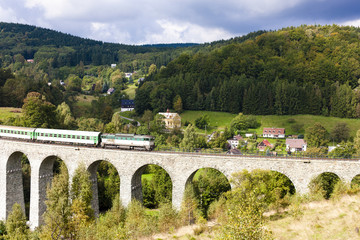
<point x="8" y="112"/>
<point x="295" y="124"/>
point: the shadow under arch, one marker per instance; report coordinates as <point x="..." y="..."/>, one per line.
<point x="100" y="194"/>
<point x="208" y="185"/>
<point x="326" y="182"/>
<point x="49" y="167"/>
<point x="355" y="181"/>
<point x="161" y="176"/>
<point x="17" y="182"/>
<point x="284" y="185"/>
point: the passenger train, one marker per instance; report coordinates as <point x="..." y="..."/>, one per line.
<point x="87" y="138"/>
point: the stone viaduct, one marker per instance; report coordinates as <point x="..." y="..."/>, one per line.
<point x="130" y="165"/>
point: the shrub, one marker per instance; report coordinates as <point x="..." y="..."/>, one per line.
<point x="168" y="218"/>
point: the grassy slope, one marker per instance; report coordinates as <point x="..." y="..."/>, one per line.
<point x="323" y="220"/>
<point x="7" y="112"/>
<point x="327" y="219"/>
<point x="83" y="104"/>
<point x="219" y="120"/>
<point x="130" y="91"/>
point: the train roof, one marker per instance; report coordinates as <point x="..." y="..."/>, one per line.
<point x="68" y="132"/>
<point x="17" y="128"/>
<point x="127" y="135"/>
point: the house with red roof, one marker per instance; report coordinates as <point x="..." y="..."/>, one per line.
<point x="274" y="132"/>
<point x="296" y="145"/>
<point x="264" y="144"/>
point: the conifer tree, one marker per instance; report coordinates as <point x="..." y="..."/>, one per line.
<point x="189" y="139"/>
<point x="58" y="214"/>
<point x="16" y="224"/>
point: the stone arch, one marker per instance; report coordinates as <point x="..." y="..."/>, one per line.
<point x="191" y="177"/>
<point x="355" y="180"/>
<point x="92" y="169"/>
<point x="301" y="184"/>
<point x="329" y="179"/>
<point x="14" y="181"/>
<point x="136" y="185"/>
<point x="46" y="174"/>
<point x="289" y="182"/>
<point x="205" y="189"/>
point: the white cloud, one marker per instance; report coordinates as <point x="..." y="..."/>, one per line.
<point x="143" y="21"/>
<point x="84" y="10"/>
<point x="184" y="32"/>
<point x="262" y="7"/>
<point x="109" y="32"/>
<point x="9" y="15"/>
<point x="355" y="23"/>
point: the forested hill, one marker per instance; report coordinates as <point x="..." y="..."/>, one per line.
<point x="37" y="43"/>
<point x="296" y="70"/>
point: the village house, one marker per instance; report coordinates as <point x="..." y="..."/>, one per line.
<point x="295" y="145"/>
<point x="171" y="120"/>
<point x="110" y="91"/>
<point x="127" y="105"/>
<point x="141" y="80"/>
<point x="234" y="141"/>
<point x="264" y="144"/>
<point x="128" y="75"/>
<point x="274" y="132"/>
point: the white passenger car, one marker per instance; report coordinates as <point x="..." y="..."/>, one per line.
<point x="67" y="136"/>
<point x="128" y="141"/>
<point x="17" y="132"/>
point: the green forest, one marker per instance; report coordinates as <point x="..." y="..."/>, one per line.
<point x="296" y="70"/>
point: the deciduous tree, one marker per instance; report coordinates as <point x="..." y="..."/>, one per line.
<point x="37" y="112"/>
<point x="316" y="136"/>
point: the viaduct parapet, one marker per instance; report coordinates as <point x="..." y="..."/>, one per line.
<point x="130" y="165"/>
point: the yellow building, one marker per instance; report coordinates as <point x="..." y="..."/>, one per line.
<point x="172" y="120"/>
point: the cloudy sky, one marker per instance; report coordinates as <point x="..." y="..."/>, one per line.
<point x="175" y="21"/>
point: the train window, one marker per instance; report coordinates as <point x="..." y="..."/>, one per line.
<point x="55" y="135"/>
<point x="87" y="138"/>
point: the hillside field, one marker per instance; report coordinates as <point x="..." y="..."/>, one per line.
<point x="130" y="90"/>
<point x="7" y="112"/>
<point x="220" y="120"/>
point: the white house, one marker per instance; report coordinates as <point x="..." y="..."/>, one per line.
<point x="171" y="120"/>
<point x="274" y="132"/>
<point x="234" y="141"/>
<point x="296" y="145"/>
